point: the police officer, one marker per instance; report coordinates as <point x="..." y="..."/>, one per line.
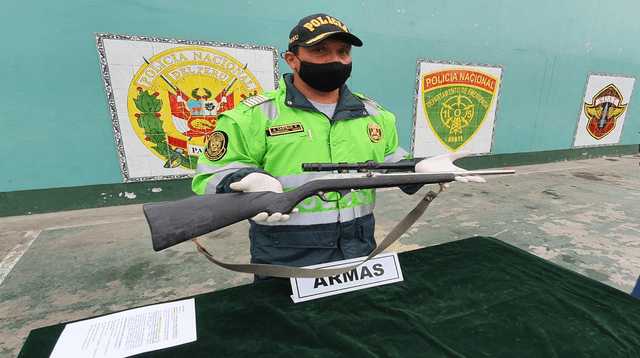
<point x="312" y="118"/>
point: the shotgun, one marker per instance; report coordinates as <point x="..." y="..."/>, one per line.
<point x="172" y="223"/>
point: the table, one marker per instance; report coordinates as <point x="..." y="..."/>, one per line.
<point x="477" y="297"/>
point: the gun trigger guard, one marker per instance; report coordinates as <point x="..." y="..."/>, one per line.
<point x="342" y="193"/>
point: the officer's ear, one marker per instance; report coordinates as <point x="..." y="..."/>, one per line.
<point x="290" y="57"/>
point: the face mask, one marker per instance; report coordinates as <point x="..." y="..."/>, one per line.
<point x="325" y="77"/>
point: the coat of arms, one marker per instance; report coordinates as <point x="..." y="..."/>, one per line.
<point x="175" y="98"/>
<point x="166" y="95"/>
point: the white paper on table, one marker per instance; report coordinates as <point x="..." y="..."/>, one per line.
<point x="129" y="332"/>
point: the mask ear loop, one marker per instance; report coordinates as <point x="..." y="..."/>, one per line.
<point x="282" y="56"/>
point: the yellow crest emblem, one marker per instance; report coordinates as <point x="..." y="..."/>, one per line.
<point x="375" y="132"/>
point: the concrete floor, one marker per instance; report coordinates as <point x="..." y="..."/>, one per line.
<point x="582" y="215"/>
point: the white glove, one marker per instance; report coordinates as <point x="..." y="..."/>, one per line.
<point x="444" y="163"/>
<point x="255" y="182"/>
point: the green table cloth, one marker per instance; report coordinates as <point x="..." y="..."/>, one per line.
<point x="477" y="297"/>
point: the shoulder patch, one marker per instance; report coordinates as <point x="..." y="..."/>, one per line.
<point x="255" y="100"/>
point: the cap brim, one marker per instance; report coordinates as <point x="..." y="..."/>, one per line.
<point x="339" y="35"/>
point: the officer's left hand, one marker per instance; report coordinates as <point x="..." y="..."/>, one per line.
<point x="261" y="182"/>
<point x="444" y="163"/>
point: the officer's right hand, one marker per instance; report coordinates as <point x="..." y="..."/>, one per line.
<point x="444" y="163"/>
<point x="256" y="182"/>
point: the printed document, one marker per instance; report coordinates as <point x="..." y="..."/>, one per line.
<point x="129" y="332"/>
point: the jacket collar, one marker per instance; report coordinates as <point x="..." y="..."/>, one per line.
<point x="349" y="106"/>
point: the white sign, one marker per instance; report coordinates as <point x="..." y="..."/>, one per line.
<point x="383" y="269"/>
<point x="131" y="332"/>
<point x="603" y="110"/>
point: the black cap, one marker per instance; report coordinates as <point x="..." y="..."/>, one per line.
<point x="315" y="28"/>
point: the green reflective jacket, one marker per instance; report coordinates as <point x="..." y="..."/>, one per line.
<point x="275" y="133"/>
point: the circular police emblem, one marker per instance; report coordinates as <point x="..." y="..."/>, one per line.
<point x="175" y="97"/>
<point x="457" y="112"/>
<point x="217" y="146"/>
<point x="375" y="132"/>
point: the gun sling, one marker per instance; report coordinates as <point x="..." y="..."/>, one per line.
<point x="287" y="272"/>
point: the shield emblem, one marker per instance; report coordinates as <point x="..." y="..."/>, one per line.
<point x="603" y="112"/>
<point x="456" y="103"/>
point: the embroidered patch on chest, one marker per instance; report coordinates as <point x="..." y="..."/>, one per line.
<point x="285" y="129"/>
<point x="375" y="132"/>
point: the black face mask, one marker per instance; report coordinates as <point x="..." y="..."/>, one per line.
<point x="325" y="77"/>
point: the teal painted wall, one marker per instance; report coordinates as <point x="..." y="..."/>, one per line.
<point x="55" y="126"/>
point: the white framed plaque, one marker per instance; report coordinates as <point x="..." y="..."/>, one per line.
<point x="603" y="110"/>
<point x="455" y="107"/>
<point x="164" y="96"/>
